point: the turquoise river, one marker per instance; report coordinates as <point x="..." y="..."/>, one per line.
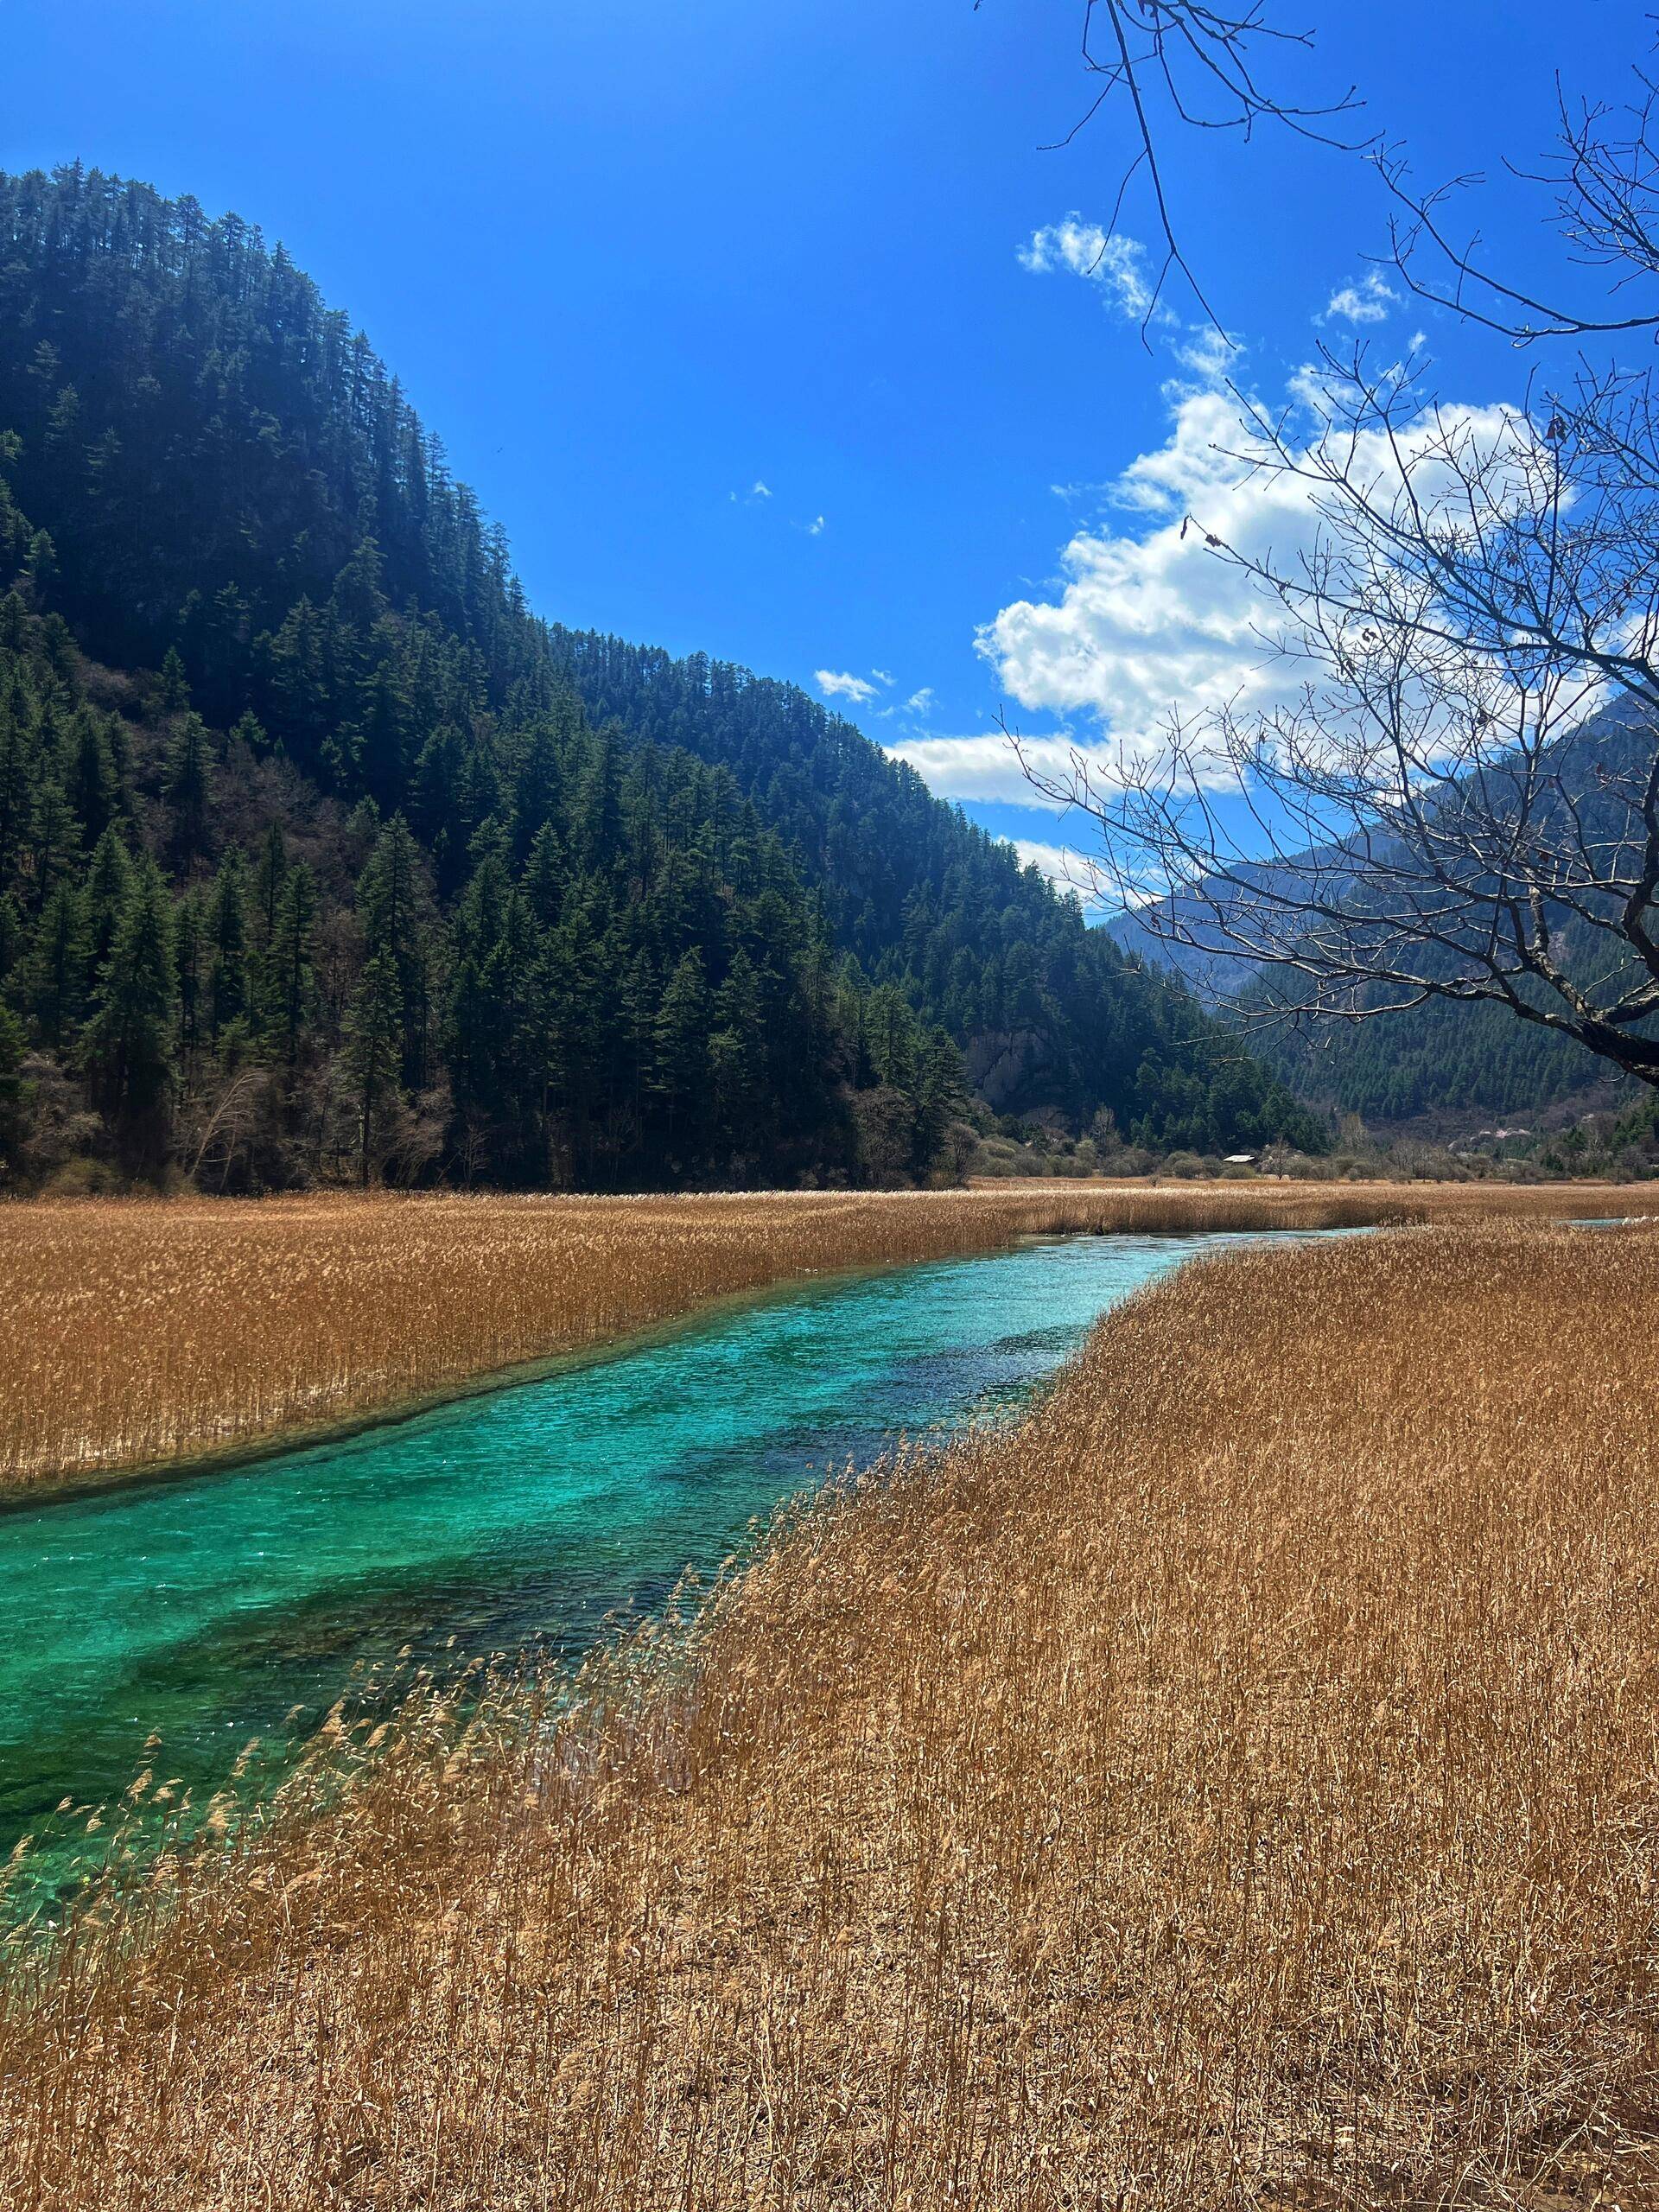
<point x="208" y="1609"/>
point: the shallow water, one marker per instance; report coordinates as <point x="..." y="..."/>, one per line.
<point x="211" y="1609"/>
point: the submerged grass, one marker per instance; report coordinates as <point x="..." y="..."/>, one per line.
<point x="140" y="1334"/>
<point x="1237" y="1784"/>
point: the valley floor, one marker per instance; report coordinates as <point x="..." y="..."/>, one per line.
<point x="146" y="1333"/>
<point x="1237" y="1784"/>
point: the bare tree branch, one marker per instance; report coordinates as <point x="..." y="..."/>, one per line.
<point x="1457" y="796"/>
<point x="1604" y="183"/>
<point x="1198" y="66"/>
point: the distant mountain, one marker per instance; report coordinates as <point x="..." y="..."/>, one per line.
<point x="1452" y="1063"/>
<point x="319" y="851"/>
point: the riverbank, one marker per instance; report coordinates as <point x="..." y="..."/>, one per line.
<point x="149" y="1334"/>
<point x="1235" y="1785"/>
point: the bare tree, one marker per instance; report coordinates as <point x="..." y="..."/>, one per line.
<point x="1604" y="180"/>
<point x="1457" y="794"/>
<point x="1170" y="64"/>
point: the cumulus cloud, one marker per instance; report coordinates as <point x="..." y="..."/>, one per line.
<point x="1116" y="265"/>
<point x="1065" y="869"/>
<point x="1372" y="300"/>
<point x="1146" y="620"/>
<point x="983" y="769"/>
<point x="843" y="686"/>
<point x="1207" y="355"/>
<point x="1115" y="262"/>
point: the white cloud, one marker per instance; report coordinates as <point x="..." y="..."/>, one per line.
<point x="1372" y="300"/>
<point x="882" y="675"/>
<point x="759" y="491"/>
<point x="844" y="687"/>
<point x="1148" y="619"/>
<point x="920" y="702"/>
<point x="1118" y="265"/>
<point x="1115" y="262"/>
<point x="1206" y="354"/>
<point x="1065" y="869"/>
<point x="815" y="528"/>
<point x="984" y="769"/>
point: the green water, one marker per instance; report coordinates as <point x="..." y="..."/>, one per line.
<point x="209" y="1610"/>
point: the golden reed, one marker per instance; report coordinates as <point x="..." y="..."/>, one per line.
<point x="1236" y="1785"/>
<point x="139" y="1333"/>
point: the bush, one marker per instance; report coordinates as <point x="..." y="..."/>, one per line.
<point x="1188" y="1165"/>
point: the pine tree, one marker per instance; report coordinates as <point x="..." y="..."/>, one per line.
<point x="940" y="1092"/>
<point x="92" y="784"/>
<point x="55" y="835"/>
<point x="191" y="964"/>
<point x="287" y="989"/>
<point x="187" y="785"/>
<point x="104" y="891"/>
<point x="228" y="940"/>
<point x="680" y="1075"/>
<point x="127" y="1043"/>
<point x="737" y="1058"/>
<point x="393" y="908"/>
<point x="249" y="730"/>
<point x="55" y="973"/>
<point x="544" y="878"/>
<point x="268" y="878"/>
<point x="373" y="1056"/>
<point x="13" y="1121"/>
<point x="175" y="684"/>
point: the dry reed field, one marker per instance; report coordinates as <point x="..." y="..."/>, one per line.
<point x="142" y="1333"/>
<point x="1236" y="1785"/>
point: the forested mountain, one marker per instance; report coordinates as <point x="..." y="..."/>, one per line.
<point x="1449" y="1061"/>
<point x="1457" y="1064"/>
<point x="1048" y="1011"/>
<point x="320" y="854"/>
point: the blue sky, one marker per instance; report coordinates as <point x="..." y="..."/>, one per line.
<point x="761" y="328"/>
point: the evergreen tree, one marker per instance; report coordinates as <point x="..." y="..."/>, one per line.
<point x="394" y="910"/>
<point x="268" y="878"/>
<point x="681" y="1071"/>
<point x="56" y="970"/>
<point x="54" y="833"/>
<point x="288" y="984"/>
<point x="228" y="938"/>
<point x="174" y="686"/>
<point x="106" y="891"/>
<point x="192" y="965"/>
<point x="92" y="785"/>
<point x="127" y="1043"/>
<point x="13" y="1121"/>
<point x="373" y="1057"/>
<point x="642" y="918"/>
<point x="187" y="788"/>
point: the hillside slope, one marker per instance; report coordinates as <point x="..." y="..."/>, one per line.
<point x="320" y="854"/>
<point x="1443" y="1060"/>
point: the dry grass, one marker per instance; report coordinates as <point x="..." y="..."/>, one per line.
<point x="140" y="1334"/>
<point x="1238" y="1785"/>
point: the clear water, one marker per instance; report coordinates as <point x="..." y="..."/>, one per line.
<point x="209" y="1610"/>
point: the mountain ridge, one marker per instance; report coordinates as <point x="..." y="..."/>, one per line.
<point x="580" y="913"/>
<point x="1446" y="1063"/>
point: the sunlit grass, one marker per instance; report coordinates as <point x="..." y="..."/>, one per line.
<point x="1235" y="1785"/>
<point x="141" y="1333"/>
